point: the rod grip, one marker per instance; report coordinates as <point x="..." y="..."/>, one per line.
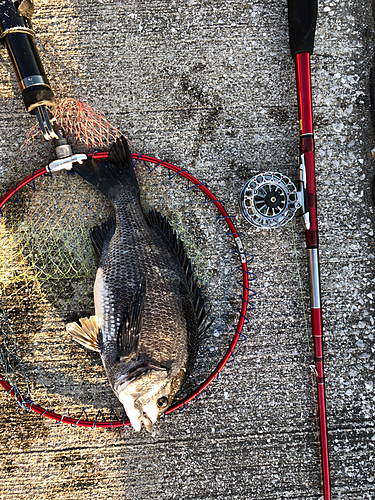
<point x="302" y="21"/>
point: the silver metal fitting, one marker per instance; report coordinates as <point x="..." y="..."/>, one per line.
<point x="45" y="119"/>
<point x="65" y="163"/>
<point x="33" y="80"/>
<point x="63" y="151"/>
<point x="62" y="147"/>
<point x="314" y="277"/>
<point x="301" y="193"/>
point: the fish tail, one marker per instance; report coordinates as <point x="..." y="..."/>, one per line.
<point x="110" y="174"/>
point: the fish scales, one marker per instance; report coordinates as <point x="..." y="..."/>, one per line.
<point x="136" y="249"/>
<point x="145" y="326"/>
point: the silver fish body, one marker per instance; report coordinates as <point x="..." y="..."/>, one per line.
<point x="146" y="303"/>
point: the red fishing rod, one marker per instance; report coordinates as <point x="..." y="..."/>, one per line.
<point x="270" y="200"/>
<point x="302" y="21"/>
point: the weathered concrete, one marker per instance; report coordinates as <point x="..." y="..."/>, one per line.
<point x="210" y="86"/>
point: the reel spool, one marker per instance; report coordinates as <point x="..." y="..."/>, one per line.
<point x="269" y="200"/>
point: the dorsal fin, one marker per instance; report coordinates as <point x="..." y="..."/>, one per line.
<point x="130" y="328"/>
<point x="100" y="234"/>
<point x="86" y="334"/>
<point x="163" y="227"/>
<point x="177" y="249"/>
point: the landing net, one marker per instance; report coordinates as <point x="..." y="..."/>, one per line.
<point x="48" y="267"/>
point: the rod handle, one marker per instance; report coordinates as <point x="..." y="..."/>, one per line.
<point x="17" y="36"/>
<point x="302" y="21"/>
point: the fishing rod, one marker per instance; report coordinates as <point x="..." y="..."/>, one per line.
<point x="302" y="21"/>
<point x="270" y="200"/>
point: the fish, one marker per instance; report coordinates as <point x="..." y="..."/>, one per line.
<point x="149" y="309"/>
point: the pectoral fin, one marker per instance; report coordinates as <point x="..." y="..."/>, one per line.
<point x="130" y="328"/>
<point x="87" y="334"/>
<point x="101" y="235"/>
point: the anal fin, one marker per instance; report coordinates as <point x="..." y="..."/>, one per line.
<point x="86" y="334"/>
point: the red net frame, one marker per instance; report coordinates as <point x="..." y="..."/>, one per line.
<point x="81" y="421"/>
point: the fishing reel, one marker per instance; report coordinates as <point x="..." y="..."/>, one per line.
<point x="270" y="200"/>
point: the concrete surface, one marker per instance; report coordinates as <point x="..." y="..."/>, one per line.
<point x="210" y="86"/>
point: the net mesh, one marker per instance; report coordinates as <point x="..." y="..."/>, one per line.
<point x="47" y="270"/>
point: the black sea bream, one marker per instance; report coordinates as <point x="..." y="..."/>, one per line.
<point x="148" y="309"/>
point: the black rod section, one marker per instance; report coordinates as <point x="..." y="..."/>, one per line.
<point x="18" y="37"/>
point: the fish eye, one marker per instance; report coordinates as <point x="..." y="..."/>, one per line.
<point x="162" y="402"/>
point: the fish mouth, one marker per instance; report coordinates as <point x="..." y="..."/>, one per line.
<point x="137" y="372"/>
<point x="146" y="415"/>
<point x="147" y="422"/>
<point x="136" y="419"/>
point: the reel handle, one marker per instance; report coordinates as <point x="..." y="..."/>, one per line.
<point x="302" y="21"/>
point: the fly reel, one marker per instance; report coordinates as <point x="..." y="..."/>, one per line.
<point x="269" y="200"/>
